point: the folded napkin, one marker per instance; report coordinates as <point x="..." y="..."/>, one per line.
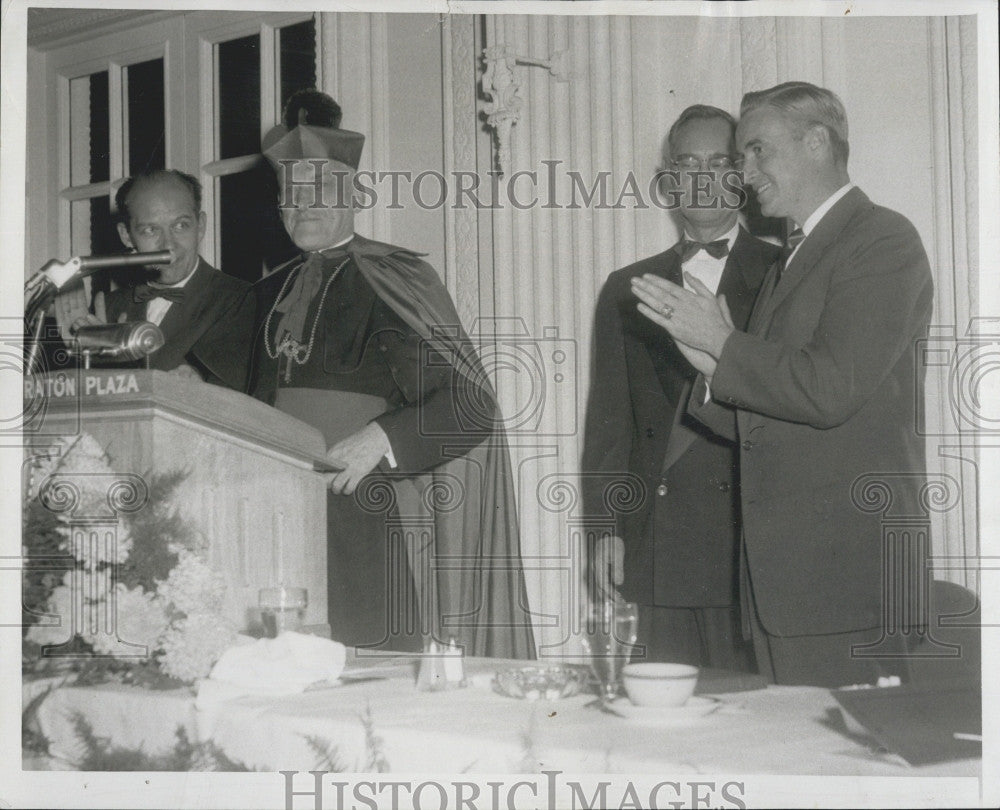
<point x="267" y="667"/>
<point x="285" y="665"/>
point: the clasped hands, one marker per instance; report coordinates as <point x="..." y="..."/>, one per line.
<point x="698" y="321"/>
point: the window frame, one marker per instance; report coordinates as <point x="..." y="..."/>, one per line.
<point x="186" y="42"/>
<point x="206" y="32"/>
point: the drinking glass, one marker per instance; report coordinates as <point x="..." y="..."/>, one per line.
<point x="282" y="609"/>
<point x="609" y="633"/>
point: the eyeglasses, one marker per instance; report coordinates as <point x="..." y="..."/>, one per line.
<point x="716" y="163"/>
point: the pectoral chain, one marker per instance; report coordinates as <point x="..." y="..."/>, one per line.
<point x="295" y="350"/>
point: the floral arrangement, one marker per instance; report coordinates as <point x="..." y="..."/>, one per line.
<point x="138" y="592"/>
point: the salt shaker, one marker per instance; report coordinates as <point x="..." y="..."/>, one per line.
<point x="454" y="669"/>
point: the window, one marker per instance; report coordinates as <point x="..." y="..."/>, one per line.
<point x="116" y="126"/>
<point x="248" y="99"/>
<point x="193" y="91"/>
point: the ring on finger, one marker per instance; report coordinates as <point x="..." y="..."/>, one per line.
<point x="666" y="311"/>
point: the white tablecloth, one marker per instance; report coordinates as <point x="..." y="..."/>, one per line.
<point x="778" y="730"/>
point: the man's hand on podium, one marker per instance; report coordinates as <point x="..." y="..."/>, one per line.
<point x="71" y="312"/>
<point x="356" y="456"/>
<point x="186" y="371"/>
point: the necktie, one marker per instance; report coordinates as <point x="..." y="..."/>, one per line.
<point x="687" y="248"/>
<point x="143" y="293"/>
<point x="793" y="241"/>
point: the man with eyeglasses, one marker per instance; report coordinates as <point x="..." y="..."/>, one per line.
<point x="820" y="390"/>
<point x="672" y="548"/>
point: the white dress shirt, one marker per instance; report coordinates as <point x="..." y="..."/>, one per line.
<point x="705" y="267"/>
<point x="156" y="308"/>
<point x="813" y="219"/>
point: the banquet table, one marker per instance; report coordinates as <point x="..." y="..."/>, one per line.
<point x="376" y="719"/>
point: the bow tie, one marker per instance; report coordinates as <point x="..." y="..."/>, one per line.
<point x="143" y="293"/>
<point x="687" y="248"/>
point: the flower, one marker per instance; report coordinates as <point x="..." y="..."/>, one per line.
<point x="139" y="621"/>
<point x="193" y="644"/>
<point x="193" y="587"/>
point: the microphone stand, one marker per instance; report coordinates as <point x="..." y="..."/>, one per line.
<point x="42" y="288"/>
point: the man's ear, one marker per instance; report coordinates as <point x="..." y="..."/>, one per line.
<point x="202" y="225"/>
<point x="818" y="139"/>
<point x="123" y="235"/>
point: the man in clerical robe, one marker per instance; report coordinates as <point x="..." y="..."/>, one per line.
<point x="361" y="340"/>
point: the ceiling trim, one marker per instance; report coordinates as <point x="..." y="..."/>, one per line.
<point x="49" y="28"/>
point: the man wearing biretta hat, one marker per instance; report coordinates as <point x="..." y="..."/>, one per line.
<point x="361" y="340"/>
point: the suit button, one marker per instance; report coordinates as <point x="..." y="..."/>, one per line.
<point x="384" y="348"/>
<point x="649" y="433"/>
<point x="661" y="490"/>
<point x="724" y="486"/>
<point x="747" y="444"/>
<point x="731" y="400"/>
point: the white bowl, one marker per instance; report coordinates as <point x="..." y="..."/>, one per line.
<point x="659" y="685"/>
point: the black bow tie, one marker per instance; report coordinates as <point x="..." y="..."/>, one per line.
<point x="687" y="248"/>
<point x="143" y="293"/>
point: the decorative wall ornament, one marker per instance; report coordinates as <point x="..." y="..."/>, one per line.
<point x="503" y="88"/>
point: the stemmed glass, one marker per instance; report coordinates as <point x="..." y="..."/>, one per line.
<point x="609" y="633"/>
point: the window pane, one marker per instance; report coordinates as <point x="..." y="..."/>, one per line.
<point x="298" y="58"/>
<point x="144" y="105"/>
<point x="93" y="233"/>
<point x="238" y="112"/>
<point x="251" y="233"/>
<point x="88" y="133"/>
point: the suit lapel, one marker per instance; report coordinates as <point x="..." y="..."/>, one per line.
<point x="811" y="251"/>
<point x="740" y="278"/>
<point x="181" y="315"/>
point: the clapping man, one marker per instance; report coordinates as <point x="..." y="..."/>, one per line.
<point x="820" y="392"/>
<point x="675" y="554"/>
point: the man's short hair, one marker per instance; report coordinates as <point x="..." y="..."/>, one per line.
<point x="807" y="106"/>
<point x="121" y="196"/>
<point x="698" y="112"/>
<point x="312" y="107"/>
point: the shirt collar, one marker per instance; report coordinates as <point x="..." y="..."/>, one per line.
<point x="729" y="236"/>
<point x="341" y="243"/>
<point x="178" y="284"/>
<point x="813" y="219"/>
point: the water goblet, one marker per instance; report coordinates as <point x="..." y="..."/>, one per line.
<point x="282" y="609"/>
<point x="609" y="633"/>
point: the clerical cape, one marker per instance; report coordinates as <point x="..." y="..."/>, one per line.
<point x="473" y="571"/>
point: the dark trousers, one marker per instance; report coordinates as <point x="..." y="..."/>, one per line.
<point x="705" y="637"/>
<point x="829" y="660"/>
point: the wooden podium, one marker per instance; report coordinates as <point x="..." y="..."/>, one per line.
<point x="250" y="492"/>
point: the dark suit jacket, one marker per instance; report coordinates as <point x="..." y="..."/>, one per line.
<point x="681" y="528"/>
<point x="824" y="389"/>
<point x="192" y="328"/>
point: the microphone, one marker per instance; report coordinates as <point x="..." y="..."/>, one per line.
<point x="60" y="274"/>
<point x="119" y="341"/>
<point x="124" y="260"/>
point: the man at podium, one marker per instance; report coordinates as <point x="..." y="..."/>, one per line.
<point x="361" y="340"/>
<point x="186" y="299"/>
